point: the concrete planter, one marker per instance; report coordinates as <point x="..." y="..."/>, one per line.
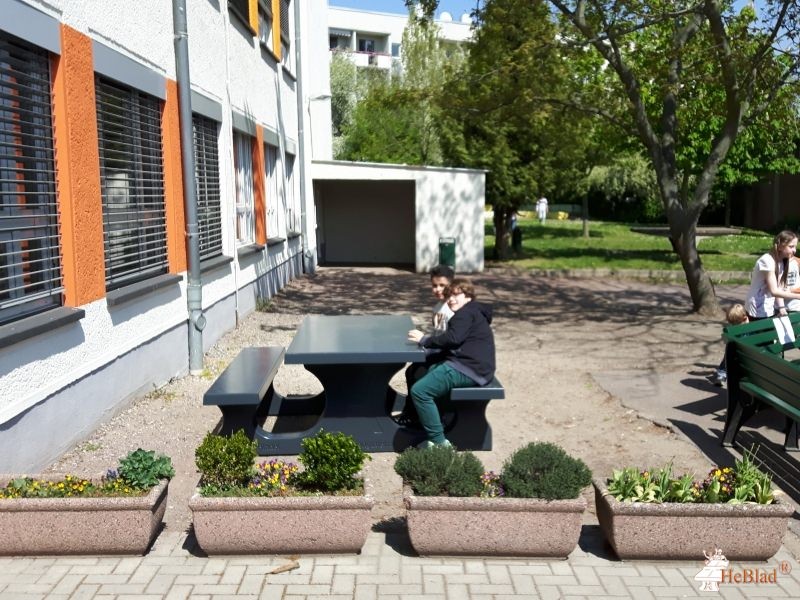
<point x="493" y="526"/>
<point x="45" y="526"/>
<point x="291" y="525"/>
<point x="684" y="531"/>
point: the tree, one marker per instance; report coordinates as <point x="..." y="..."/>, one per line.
<point x="493" y="121"/>
<point x="397" y="118"/>
<point x="686" y="78"/>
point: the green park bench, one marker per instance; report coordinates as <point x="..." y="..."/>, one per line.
<point x="759" y="375"/>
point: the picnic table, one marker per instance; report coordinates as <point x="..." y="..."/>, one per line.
<point x="354" y="357"/>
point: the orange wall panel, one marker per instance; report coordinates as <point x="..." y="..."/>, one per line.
<point x="173" y="181"/>
<point x="276" y="28"/>
<point x="259" y="187"/>
<point x="78" y="170"/>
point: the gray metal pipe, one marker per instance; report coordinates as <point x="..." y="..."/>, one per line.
<point x="194" y="292"/>
<point x="309" y="264"/>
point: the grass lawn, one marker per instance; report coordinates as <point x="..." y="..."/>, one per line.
<point x="561" y="245"/>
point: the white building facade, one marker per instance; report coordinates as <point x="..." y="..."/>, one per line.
<point x="374" y="39"/>
<point x="93" y="253"/>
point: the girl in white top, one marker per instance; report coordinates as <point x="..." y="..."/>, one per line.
<point x="768" y="283"/>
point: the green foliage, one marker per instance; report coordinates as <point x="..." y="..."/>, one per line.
<point x="225" y="462"/>
<point x="331" y="461"/>
<point x="544" y="470"/>
<point x="733" y="485"/>
<point x="441" y="471"/>
<point x="143" y="469"/>
<point x="139" y="471"/>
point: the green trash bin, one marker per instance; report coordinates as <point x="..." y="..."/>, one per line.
<point x="447" y="252"/>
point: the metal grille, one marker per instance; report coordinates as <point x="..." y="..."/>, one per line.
<point x="30" y="263"/>
<point x="206" y="160"/>
<point x="285" y="21"/>
<point x="132" y="183"/>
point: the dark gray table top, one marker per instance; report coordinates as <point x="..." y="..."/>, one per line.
<point x="350" y="339"/>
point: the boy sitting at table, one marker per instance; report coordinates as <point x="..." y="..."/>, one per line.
<point x="441" y="276"/>
<point x="467" y="358"/>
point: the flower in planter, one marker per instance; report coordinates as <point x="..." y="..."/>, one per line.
<point x="331" y="462"/>
<point x="136" y="474"/>
<point x="744" y="482"/>
<point x="537" y="470"/>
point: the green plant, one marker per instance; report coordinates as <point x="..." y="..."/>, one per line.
<point x="331" y="461"/>
<point x="544" y="470"/>
<point x="144" y="469"/>
<point x="139" y="471"/>
<point x="441" y="471"/>
<point x="744" y="482"/>
<point x="225" y="462"/>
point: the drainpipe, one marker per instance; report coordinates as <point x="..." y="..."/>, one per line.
<point x="308" y="262"/>
<point x="194" y="292"/>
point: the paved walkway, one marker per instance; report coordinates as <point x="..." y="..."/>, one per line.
<point x="387" y="569"/>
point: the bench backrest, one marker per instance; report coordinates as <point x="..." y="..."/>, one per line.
<point x="770" y="372"/>
<point x="762" y="334"/>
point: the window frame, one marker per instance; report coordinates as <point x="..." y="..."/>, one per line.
<point x="244" y="200"/>
<point x="29" y="210"/>
<point x="133" y="189"/>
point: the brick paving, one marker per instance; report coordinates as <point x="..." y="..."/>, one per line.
<point x="386" y="569"/>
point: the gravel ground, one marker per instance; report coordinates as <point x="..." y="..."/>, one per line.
<point x="551" y="334"/>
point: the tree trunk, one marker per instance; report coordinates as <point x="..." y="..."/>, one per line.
<point x="585" y="215"/>
<point x="502" y="232"/>
<point x="701" y="288"/>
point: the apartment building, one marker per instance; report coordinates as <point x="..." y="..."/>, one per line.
<point x="93" y="227"/>
<point x="374" y="39"/>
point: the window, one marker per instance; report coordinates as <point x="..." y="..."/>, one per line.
<point x="396" y="50"/>
<point x="30" y="268"/>
<point x="265" y="24"/>
<point x="286" y="36"/>
<point x="366" y="45"/>
<point x="241" y="9"/>
<point x="206" y="163"/>
<point x="243" y="163"/>
<point x="131" y="183"/>
<point x="293" y="212"/>
<point x="273" y="191"/>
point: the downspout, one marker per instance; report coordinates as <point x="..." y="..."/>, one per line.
<point x="194" y="291"/>
<point x="308" y="263"/>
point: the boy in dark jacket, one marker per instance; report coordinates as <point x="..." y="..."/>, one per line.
<point x="468" y="360"/>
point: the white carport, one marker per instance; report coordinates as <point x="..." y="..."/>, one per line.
<point x="370" y="213"/>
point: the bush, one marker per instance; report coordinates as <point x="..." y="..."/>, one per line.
<point x="544" y="470"/>
<point x="142" y="469"/>
<point x="441" y="471"/>
<point x="331" y="461"/>
<point x="225" y="462"/>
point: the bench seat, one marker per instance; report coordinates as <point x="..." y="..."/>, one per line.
<point x="244" y="389"/>
<point x="491" y="391"/>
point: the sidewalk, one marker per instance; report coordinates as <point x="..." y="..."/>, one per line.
<point x="387" y="569"/>
<point x="581" y="360"/>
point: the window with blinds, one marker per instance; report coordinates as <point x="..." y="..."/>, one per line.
<point x="292" y="205"/>
<point x="30" y="264"/>
<point x="206" y="162"/>
<point x="274" y="199"/>
<point x="286" y="36"/>
<point x="243" y="163"/>
<point x="132" y="183"/>
<point x="241" y="8"/>
<point x="265" y="24"/>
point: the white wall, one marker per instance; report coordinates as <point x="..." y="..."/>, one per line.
<point x="90" y="369"/>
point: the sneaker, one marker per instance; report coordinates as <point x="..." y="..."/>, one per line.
<point x="718" y="378"/>
<point x="429" y="444"/>
<point x="407" y="421"/>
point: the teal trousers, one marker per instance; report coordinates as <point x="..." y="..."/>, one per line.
<point x="434" y="387"/>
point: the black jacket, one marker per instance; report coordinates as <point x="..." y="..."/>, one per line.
<point x="468" y="342"/>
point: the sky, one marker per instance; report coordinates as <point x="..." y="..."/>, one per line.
<point x="455" y="7"/>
